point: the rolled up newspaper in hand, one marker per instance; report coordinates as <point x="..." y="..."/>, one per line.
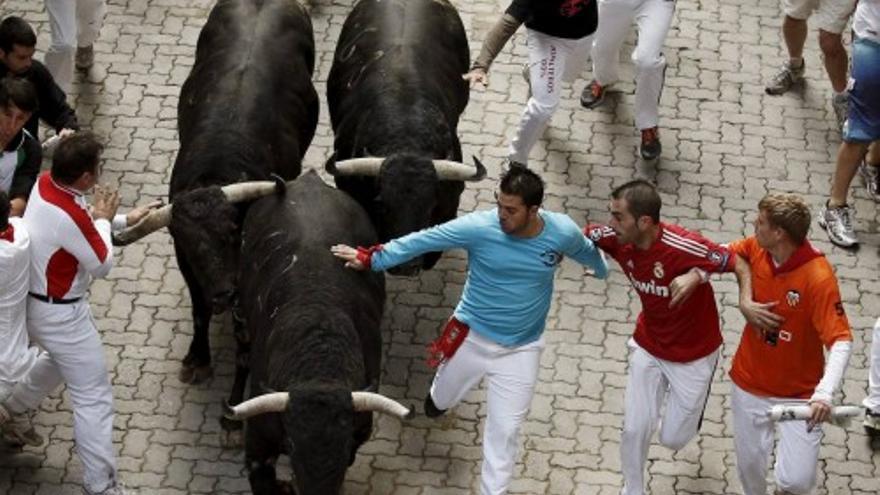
<point x="840" y="415"/>
<point x="49" y="145"/>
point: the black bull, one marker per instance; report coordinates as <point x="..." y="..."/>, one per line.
<point x="247" y="110"/>
<point x="315" y="333"/>
<point x="395" y="91"/>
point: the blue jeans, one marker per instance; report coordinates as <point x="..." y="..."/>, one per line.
<point x="863" y="121"/>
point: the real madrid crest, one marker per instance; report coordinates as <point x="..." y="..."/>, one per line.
<point x="658" y="270"/>
<point x="792" y="297"/>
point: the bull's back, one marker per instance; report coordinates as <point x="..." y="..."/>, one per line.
<point x="251" y="78"/>
<point x="391" y="48"/>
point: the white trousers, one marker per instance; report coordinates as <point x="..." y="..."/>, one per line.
<point x="797" y="453"/>
<point x="74" y="355"/>
<point x="872" y="401"/>
<point x="73" y="23"/>
<point x="551" y="61"/>
<point x="511" y="373"/>
<point x="651" y="382"/>
<point x="652" y="18"/>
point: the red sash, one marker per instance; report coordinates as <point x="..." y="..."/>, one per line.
<point x="442" y="349"/>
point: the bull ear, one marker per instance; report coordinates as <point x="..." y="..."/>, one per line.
<point x="481" y="170"/>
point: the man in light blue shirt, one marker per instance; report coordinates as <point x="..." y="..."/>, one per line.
<point x="513" y="253"/>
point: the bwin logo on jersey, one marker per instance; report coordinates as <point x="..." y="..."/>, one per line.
<point x="551" y="258"/>
<point x="649" y="287"/>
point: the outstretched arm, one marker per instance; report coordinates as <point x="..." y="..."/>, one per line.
<point x="495" y="41"/>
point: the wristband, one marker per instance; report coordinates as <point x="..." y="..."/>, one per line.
<point x="365" y="254"/>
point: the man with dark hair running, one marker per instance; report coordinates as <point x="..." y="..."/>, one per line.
<point x="497" y="326"/>
<point x="675" y="347"/>
<point x="70" y="244"/>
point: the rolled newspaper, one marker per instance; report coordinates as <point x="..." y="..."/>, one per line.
<point x="49" y="146"/>
<point x="840" y="415"/>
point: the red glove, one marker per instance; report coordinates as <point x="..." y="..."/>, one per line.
<point x="365" y="255"/>
<point x="442" y="349"/>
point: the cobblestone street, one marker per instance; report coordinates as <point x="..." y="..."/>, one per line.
<point x="726" y="144"/>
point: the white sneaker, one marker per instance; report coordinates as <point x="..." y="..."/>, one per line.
<point x="837" y="222"/>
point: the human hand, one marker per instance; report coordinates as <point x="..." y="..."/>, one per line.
<point x="106" y="202"/>
<point x="683" y="286"/>
<point x="16" y="207"/>
<point x="349" y="254"/>
<point x="759" y="314"/>
<point x="63" y="133"/>
<point x="138" y="213"/>
<point x="476" y="76"/>
<point x="819" y="411"/>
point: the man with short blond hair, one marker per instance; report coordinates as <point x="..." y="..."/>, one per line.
<point x="784" y="361"/>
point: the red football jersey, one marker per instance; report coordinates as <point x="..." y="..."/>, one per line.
<point x="691" y="330"/>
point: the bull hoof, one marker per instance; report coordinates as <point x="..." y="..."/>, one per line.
<point x="195" y="374"/>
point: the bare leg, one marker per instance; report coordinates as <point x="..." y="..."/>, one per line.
<point x="848" y="156"/>
<point x="794" y="31"/>
<point x="835" y="59"/>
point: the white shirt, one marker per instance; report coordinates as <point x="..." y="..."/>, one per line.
<point x="15" y="357"/>
<point x="866" y="21"/>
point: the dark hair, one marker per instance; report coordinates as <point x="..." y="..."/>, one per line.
<point x="4" y="210"/>
<point x="75" y="155"/>
<point x="16" y="31"/>
<point x="522" y="182"/>
<point x="641" y="198"/>
<point x="20" y="92"/>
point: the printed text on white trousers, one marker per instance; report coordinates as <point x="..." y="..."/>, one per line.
<point x="511" y="373"/>
<point x="552" y="61"/>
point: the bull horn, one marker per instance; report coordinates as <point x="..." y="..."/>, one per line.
<point x="355" y="166"/>
<point x="154" y="221"/>
<point x="266" y="403"/>
<point x="246" y="191"/>
<point x="369" y="401"/>
<point x="450" y="170"/>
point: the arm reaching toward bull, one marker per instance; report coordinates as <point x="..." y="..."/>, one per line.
<point x="138" y="213"/>
<point x="495" y="41"/>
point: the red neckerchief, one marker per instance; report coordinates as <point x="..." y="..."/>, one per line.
<point x="8" y="234"/>
<point x="803" y="255"/>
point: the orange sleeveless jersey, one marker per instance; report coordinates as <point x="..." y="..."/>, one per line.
<point x="790" y="363"/>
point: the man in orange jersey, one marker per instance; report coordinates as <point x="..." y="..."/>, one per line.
<point x="783" y="361"/>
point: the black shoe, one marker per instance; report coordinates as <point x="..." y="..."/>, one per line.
<point x="650" y="148"/>
<point x="431" y="410"/>
<point x="593" y="95"/>
<point x="872" y="423"/>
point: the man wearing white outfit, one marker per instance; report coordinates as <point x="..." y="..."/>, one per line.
<point x="653" y="18"/>
<point x="675" y="347"/>
<point x="75" y="26"/>
<point x="784" y="361"/>
<point x="872" y="401"/>
<point x="560" y="34"/>
<point x="69" y="246"/>
<point x="513" y="254"/>
<point x="16" y="357"/>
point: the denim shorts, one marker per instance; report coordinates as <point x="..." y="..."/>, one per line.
<point x="863" y="120"/>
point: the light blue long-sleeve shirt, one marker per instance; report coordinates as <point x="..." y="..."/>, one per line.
<point x="510" y="279"/>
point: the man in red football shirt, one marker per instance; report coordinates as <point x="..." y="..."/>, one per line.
<point x="675" y="347"/>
